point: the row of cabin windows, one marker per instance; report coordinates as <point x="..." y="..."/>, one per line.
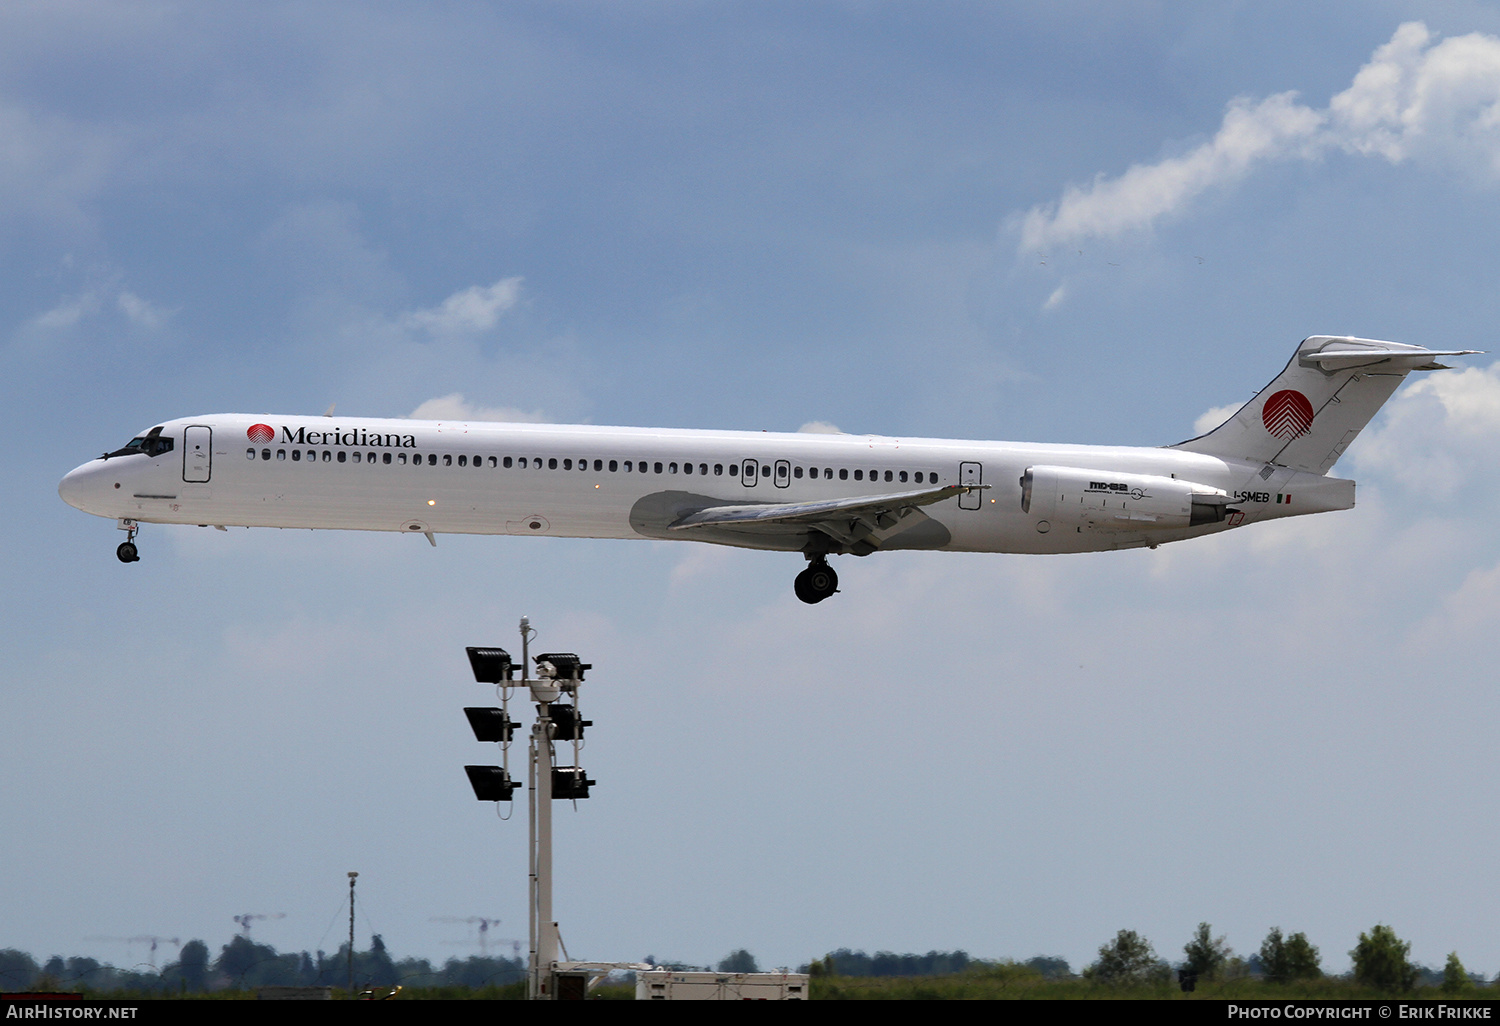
<point x="615" y="466"/>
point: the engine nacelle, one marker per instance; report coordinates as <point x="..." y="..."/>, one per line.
<point x="1106" y="500"/>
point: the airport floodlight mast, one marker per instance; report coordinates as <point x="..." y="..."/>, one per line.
<point x="558" y="674"/>
<point x="352" y="877"/>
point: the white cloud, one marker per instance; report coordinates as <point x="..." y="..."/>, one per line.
<point x="91" y="302"/>
<point x="1474" y="606"/>
<point x="1438" y="432"/>
<point x="474" y="309"/>
<point x="1416" y="99"/>
<point x="1251" y="132"/>
<point x="701" y="561"/>
<point x="142" y="313"/>
<point x="1210" y="419"/>
<point x="66" y="314"/>
<point x="819" y="427"/>
<point x="455" y="407"/>
<point x="1055" y="300"/>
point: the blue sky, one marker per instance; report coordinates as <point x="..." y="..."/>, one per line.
<point x="1085" y="223"/>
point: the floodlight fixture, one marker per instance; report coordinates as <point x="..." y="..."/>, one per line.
<point x="491" y="665"/>
<point x="570" y="782"/>
<point x="490" y="724"/>
<point x="565" y="666"/>
<point x="566" y="726"/>
<point x="491" y="783"/>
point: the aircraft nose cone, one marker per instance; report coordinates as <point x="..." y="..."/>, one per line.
<point x="77" y="487"/>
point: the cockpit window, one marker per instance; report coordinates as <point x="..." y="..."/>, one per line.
<point x="152" y="443"/>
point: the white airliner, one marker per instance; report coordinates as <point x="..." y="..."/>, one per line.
<point x="814" y="494"/>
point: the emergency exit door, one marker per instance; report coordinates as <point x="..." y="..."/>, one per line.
<point x="970" y="474"/>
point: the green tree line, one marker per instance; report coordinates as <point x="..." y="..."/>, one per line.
<point x="1126" y="962"/>
<point x="244" y="965"/>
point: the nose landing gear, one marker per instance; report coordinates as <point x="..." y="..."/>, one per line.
<point x="127" y="551"/>
<point x="817" y="582"/>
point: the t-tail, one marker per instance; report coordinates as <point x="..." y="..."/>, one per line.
<point x="1307" y="416"/>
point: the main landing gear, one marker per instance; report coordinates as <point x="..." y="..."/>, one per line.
<point x="127" y="551"/>
<point x="817" y="582"/>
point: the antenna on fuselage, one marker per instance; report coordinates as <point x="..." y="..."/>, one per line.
<point x="329" y="412"/>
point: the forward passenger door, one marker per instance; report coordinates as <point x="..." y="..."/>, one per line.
<point x="197" y="448"/>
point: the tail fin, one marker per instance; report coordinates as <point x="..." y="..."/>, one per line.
<point x="1309" y="414"/>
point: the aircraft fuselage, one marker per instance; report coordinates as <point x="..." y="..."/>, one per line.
<point x="817" y="494"/>
<point x="604" y="482"/>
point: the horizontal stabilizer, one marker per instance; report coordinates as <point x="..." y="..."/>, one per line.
<point x="1383" y="359"/>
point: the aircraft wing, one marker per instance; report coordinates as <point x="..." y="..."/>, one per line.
<point x="847" y="520"/>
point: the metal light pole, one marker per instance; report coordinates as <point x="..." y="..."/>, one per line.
<point x="352" y="877"/>
<point x="543" y="928"/>
<point x="557" y="673"/>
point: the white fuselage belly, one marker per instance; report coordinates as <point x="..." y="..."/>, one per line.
<point x="306" y="476"/>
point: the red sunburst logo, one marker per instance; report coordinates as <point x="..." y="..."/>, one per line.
<point x="259" y="433"/>
<point x="1287" y="414"/>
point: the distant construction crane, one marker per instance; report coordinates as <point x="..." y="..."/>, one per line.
<point x="246" y="919"/>
<point x="144" y="939"/>
<point x="484" y="924"/>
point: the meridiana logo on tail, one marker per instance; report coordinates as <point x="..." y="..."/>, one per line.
<point x="1287" y="414"/>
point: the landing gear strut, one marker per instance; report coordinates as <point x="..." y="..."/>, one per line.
<point x="817" y="582"/>
<point x="127" y="551"/>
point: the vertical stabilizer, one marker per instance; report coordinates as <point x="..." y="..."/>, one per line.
<point x="1308" y="415"/>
